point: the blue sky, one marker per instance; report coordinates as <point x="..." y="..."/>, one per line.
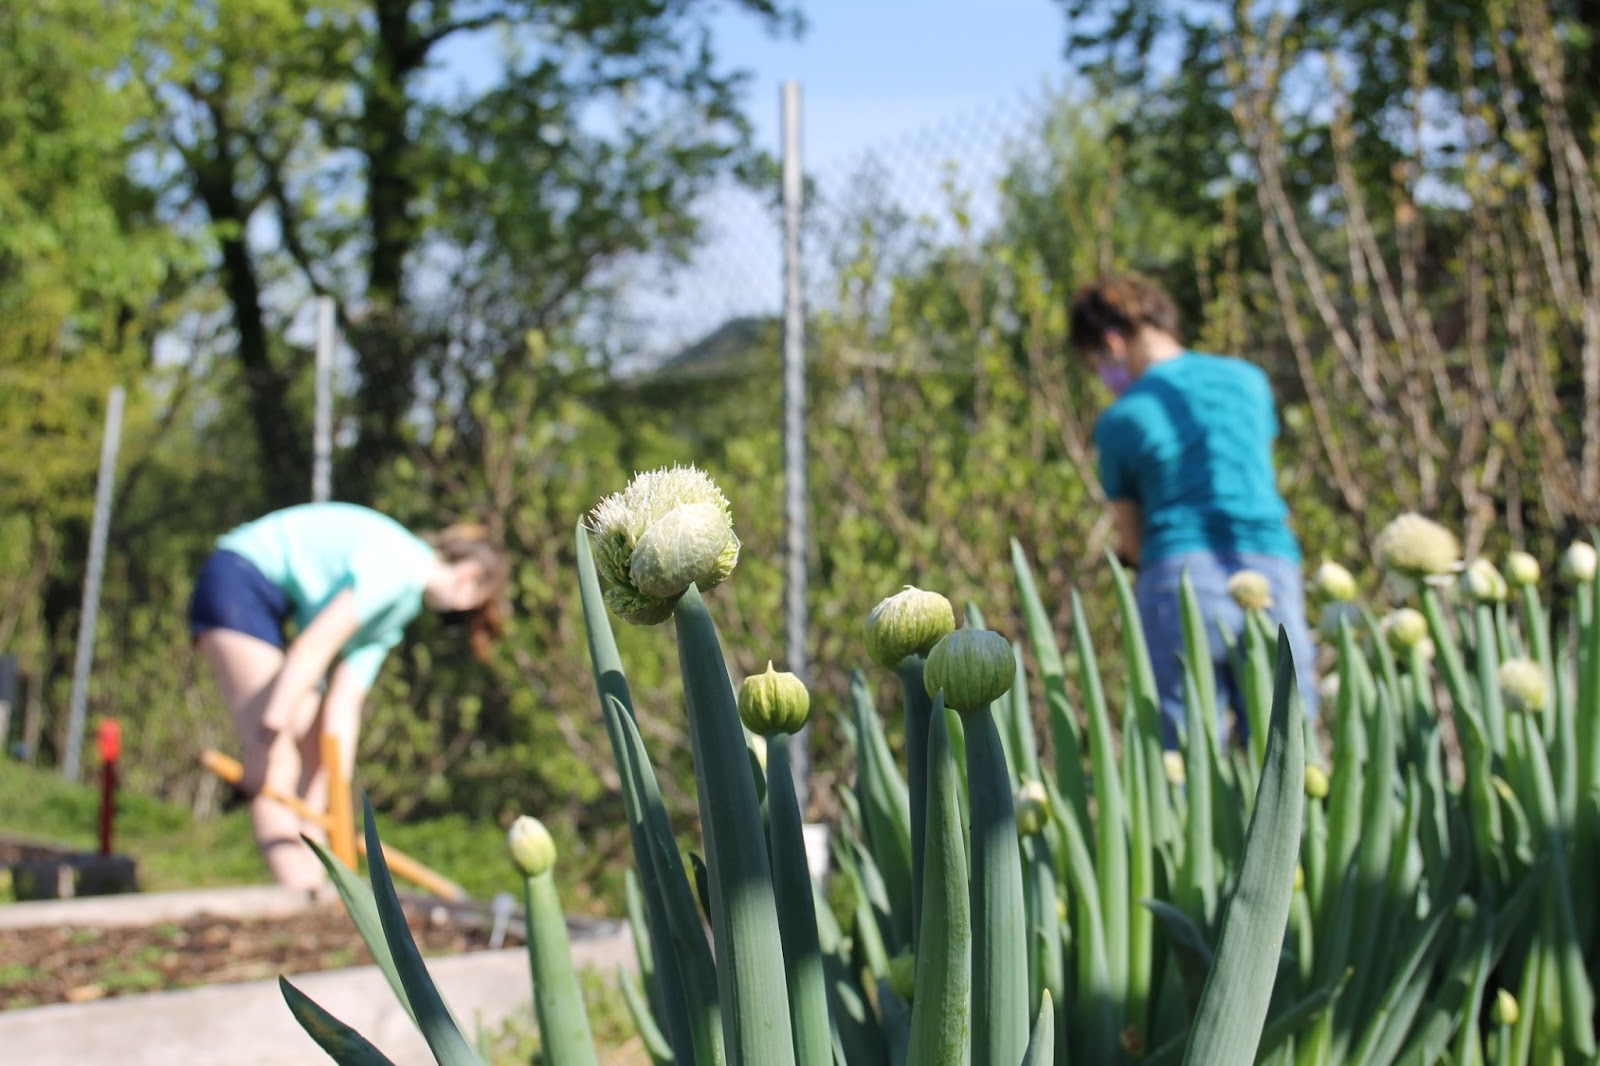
<point x="875" y="69"/>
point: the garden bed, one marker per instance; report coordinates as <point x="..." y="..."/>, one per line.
<point x="75" y="964"/>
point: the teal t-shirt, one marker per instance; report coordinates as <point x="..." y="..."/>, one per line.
<point x="317" y="550"/>
<point x="1191" y="443"/>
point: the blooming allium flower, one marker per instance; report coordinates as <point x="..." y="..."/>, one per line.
<point x="1251" y="590"/>
<point x="1417" y="547"/>
<point x="667" y="530"/>
<point x="1523" y="685"/>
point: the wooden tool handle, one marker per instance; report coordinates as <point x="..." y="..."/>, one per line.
<point x="400" y="864"/>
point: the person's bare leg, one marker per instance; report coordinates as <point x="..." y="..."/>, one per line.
<point x="245" y="668"/>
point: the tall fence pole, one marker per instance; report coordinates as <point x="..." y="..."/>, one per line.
<point x="794" y="424"/>
<point x="322" y="433"/>
<point x="91" y="584"/>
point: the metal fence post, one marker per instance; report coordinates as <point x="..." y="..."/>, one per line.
<point x="91" y="583"/>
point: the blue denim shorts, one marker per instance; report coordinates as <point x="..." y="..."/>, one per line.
<point x="1161" y="615"/>
<point x="231" y="593"/>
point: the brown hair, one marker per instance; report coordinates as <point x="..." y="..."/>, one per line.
<point x="469" y="541"/>
<point x="1122" y="305"/>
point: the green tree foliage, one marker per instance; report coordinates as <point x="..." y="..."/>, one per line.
<point x="310" y="140"/>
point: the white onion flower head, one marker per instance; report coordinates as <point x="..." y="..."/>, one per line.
<point x="1417" y="547"/>
<point x="1522" y="568"/>
<point x="1523" y="685"/>
<point x="1578" y="563"/>
<point x="668" y="529"/>
<point x="1405" y="627"/>
<point x="1482" y="583"/>
<point x="1251" y="590"/>
<point x="1335" y="582"/>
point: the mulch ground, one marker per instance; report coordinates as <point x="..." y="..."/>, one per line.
<point x="80" y="964"/>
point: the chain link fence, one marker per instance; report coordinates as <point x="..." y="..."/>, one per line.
<point x="907" y="187"/>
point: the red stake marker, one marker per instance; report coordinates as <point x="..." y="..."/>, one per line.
<point x="110" y="752"/>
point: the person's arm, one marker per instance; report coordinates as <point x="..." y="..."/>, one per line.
<point x="308" y="657"/>
<point x="1128" y="521"/>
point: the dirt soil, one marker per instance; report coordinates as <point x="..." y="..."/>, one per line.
<point x="79" y="964"/>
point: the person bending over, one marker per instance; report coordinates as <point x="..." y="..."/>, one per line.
<point x="351" y="579"/>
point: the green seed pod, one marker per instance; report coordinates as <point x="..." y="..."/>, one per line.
<point x="1405" y="627"/>
<point x="1578" y="563"/>
<point x="1522" y="568"/>
<point x="1317" y="784"/>
<point x="1506" y="1011"/>
<point x="1523" y="685"/>
<point x="1033" y="808"/>
<point x="666" y="530"/>
<point x="533" y="849"/>
<point x="1417" y="547"/>
<point x="903" y="975"/>
<point x="908" y="623"/>
<point x="973" y="667"/>
<point x="1251" y="590"/>
<point x="774" y="702"/>
<point x="1335" y="582"/>
<point x="1482" y="583"/>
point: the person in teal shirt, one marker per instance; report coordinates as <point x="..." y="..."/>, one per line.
<point x="1185" y="458"/>
<point x="350" y="579"/>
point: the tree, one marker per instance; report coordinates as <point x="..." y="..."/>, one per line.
<point x="304" y="137"/>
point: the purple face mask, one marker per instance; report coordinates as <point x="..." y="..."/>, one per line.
<point x="1114" y="376"/>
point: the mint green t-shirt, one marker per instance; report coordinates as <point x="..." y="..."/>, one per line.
<point x="316" y="550"/>
<point x="1191" y="443"/>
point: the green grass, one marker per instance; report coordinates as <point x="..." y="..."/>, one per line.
<point x="175" y="851"/>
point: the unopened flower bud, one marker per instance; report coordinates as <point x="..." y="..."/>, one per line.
<point x="1033" y="808"/>
<point x="1482" y="582"/>
<point x="533" y="849"/>
<point x="1417" y="547"/>
<point x="1251" y="590"/>
<point x="1466" y="909"/>
<point x="774" y="702"/>
<point x="908" y="623"/>
<point x="1506" y="1011"/>
<point x="1335" y="582"/>
<point x="668" y="529"/>
<point x="973" y="667"/>
<point x="1317" y="783"/>
<point x="1522" y="568"/>
<point x="1172" y="763"/>
<point x="1522" y="685"/>
<point x="1578" y="563"/>
<point x="1406" y="628"/>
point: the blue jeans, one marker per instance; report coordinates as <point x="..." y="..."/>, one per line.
<point x="1161" y="614"/>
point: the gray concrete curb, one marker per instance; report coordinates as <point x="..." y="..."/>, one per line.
<point x="248" y="1024"/>
<point x="145" y="908"/>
